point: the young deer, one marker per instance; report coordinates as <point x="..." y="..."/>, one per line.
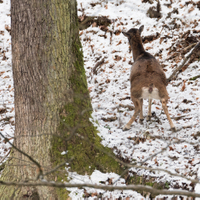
<point x="148" y="80"/>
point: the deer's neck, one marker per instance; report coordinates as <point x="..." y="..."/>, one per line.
<point x="137" y="49"/>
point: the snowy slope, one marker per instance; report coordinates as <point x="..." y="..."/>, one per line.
<point x="109" y="88"/>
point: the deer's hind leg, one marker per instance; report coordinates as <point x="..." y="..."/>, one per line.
<point x="141" y="111"/>
<point x="164" y="105"/>
<point x="137" y="104"/>
<point x="149" y="110"/>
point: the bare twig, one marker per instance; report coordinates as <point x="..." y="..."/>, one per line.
<point x="5" y="156"/>
<point x="103" y="187"/>
<point x="25" y="154"/>
<point x="56" y="168"/>
<point x="174" y="74"/>
<point x="97" y="65"/>
<point x="194" y="78"/>
<point x="126" y="106"/>
<point x="189" y="47"/>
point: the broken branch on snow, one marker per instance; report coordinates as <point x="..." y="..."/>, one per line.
<point x="97" y="65"/>
<point x="178" y="69"/>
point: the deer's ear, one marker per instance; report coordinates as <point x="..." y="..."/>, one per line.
<point x="125" y="34"/>
<point x="141" y="29"/>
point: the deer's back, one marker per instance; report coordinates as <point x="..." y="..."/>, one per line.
<point x="145" y="72"/>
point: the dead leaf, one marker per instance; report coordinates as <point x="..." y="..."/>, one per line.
<point x="117" y="32"/>
<point x="183" y="87"/>
<point x="2" y="110"/>
<point x="115" y="51"/>
<point x="110" y="181"/>
<point x="94" y="24"/>
<point x="103" y="28"/>
<point x="7" y="140"/>
<point x="191" y="9"/>
<point x="124" y="59"/>
<point x="4" y="57"/>
<point x="171" y="148"/>
<point x="194" y="89"/>
<point x="117" y="58"/>
<point x="90" y="89"/>
<point x="8" y="28"/>
<point x="108" y="81"/>
<point x="130" y="62"/>
<point x="119" y="42"/>
<point x="109" y="119"/>
<point x="156" y="162"/>
<point x="161" y="39"/>
<point x="2" y="73"/>
<point x="147" y="48"/>
<point x="94" y="194"/>
<point x="86" y="194"/>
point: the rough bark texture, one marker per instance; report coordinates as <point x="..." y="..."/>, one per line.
<point x="52" y="103"/>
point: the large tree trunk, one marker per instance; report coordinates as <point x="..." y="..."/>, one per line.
<point x="52" y="104"/>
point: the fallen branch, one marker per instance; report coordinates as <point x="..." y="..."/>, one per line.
<point x="150" y="38"/>
<point x="194" y="78"/>
<point x="97" y="65"/>
<point x="104" y="187"/>
<point x="189" y="47"/>
<point x="127" y="106"/>
<point x="175" y="74"/>
<point x="86" y="21"/>
<point x="109" y="119"/>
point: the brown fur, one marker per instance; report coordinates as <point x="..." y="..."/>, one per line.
<point x="145" y="72"/>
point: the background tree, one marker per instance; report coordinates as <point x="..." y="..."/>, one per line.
<point x="52" y="102"/>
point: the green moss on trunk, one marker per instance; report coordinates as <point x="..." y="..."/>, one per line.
<point x="84" y="144"/>
<point x="77" y="135"/>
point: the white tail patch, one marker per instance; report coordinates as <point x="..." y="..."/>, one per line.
<point x="146" y="94"/>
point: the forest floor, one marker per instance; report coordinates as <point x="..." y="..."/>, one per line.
<point x="171" y="31"/>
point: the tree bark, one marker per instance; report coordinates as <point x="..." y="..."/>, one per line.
<point x="52" y="103"/>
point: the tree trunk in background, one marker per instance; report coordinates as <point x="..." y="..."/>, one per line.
<point x="51" y="99"/>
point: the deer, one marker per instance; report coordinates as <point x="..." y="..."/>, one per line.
<point x="147" y="79"/>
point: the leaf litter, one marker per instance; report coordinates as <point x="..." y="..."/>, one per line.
<point x="169" y="34"/>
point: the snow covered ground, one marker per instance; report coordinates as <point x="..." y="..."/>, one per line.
<point x="6" y="80"/>
<point x="174" y="32"/>
<point x="110" y="87"/>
